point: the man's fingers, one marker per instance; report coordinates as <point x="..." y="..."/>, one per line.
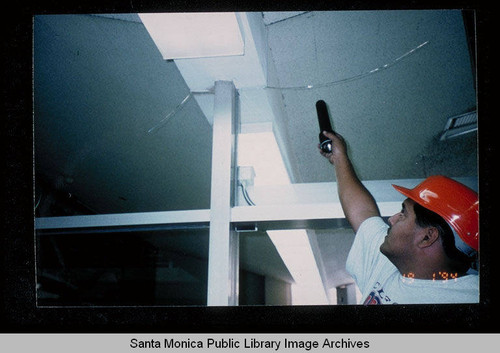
<point x="329" y="134"/>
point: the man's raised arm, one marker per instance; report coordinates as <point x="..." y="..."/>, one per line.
<point x="357" y="202"/>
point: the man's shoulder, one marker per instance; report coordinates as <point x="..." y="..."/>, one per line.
<point x="372" y="225"/>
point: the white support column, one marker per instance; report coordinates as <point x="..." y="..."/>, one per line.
<point x="223" y="245"/>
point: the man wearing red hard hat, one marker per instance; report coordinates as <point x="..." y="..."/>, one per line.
<point x="428" y="251"/>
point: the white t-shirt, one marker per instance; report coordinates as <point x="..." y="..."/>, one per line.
<point x="380" y="282"/>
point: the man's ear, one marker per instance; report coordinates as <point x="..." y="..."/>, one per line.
<point x="428" y="237"/>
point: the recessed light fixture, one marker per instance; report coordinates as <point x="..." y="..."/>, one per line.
<point x="194" y="35"/>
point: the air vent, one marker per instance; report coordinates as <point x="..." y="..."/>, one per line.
<point x="460" y="125"/>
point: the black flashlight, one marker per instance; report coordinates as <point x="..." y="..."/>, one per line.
<point x="324" y="125"/>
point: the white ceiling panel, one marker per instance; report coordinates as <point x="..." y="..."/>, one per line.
<point x="390" y="78"/>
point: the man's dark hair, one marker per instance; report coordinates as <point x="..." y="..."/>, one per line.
<point x="426" y="218"/>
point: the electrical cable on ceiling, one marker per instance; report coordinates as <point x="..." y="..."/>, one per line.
<point x="352" y="78"/>
<point x="305" y="87"/>
<point x="176" y="109"/>
<point x="245" y="195"/>
<point x="173" y="112"/>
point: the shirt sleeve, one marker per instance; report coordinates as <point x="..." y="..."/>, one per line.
<point x="365" y="254"/>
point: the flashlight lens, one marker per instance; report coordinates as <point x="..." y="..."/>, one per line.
<point x="326" y="146"/>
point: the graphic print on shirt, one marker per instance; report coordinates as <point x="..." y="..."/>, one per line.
<point x="377" y="296"/>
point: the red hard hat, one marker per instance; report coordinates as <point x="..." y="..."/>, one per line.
<point x="455" y="202"/>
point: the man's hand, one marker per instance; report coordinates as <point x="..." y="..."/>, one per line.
<point x="339" y="149"/>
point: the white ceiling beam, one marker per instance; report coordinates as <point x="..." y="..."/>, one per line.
<point x="172" y="218"/>
<point x="316" y="205"/>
